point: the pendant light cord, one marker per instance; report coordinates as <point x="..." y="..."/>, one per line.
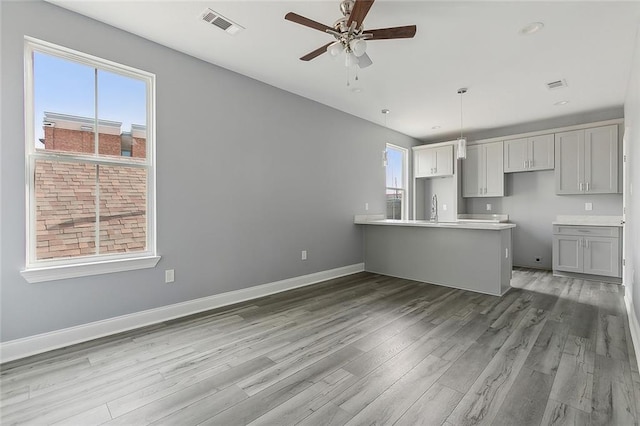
<point x="461" y="127"/>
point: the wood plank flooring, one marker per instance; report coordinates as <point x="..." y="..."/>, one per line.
<point x="362" y="349"/>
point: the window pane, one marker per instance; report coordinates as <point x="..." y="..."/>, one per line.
<point x="64" y="104"/>
<point x="65" y="209"/>
<point x="394" y="168"/>
<point x="123" y="207"/>
<point x="122" y="110"/>
<point x="394" y="203"/>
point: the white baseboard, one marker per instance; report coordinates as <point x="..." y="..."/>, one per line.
<point x="634" y="327"/>
<point x="32" y="345"/>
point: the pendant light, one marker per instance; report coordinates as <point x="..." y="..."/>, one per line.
<point x="462" y="141"/>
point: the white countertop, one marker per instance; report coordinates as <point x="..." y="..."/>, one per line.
<point x="586" y="220"/>
<point x="502" y="218"/>
<point x="374" y="220"/>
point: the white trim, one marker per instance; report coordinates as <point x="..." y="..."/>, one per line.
<point x="548" y="131"/>
<point x="634" y="327"/>
<point x="54" y="269"/>
<point x="404" y="205"/>
<point x="21" y="348"/>
<point x="524" y="135"/>
<point x="434" y="145"/>
<point x="60" y="272"/>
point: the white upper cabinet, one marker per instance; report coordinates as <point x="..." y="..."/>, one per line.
<point x="529" y="154"/>
<point x="587" y="161"/>
<point x="482" y="171"/>
<point x="433" y="162"/>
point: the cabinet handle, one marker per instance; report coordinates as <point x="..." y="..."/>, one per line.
<point x="587" y="186"/>
<point x="530" y="163"/>
<point x="525" y="164"/>
<point x="581" y="186"/>
<point x="586" y="243"/>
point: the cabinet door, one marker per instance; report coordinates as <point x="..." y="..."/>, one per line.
<point x="540" y="153"/>
<point x="568" y="253"/>
<point x="471" y="172"/>
<point x="493" y="170"/>
<point x="602" y="256"/>
<point x="601" y="160"/>
<point x="443" y="160"/>
<point x="515" y="155"/>
<point x="569" y="158"/>
<point x="423" y="163"/>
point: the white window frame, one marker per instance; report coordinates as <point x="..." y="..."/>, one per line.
<point x="405" y="179"/>
<point x="54" y="269"/>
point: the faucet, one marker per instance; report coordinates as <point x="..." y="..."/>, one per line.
<point x="434" y="208"/>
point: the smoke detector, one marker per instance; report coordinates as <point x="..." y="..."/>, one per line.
<point x="214" y="18"/>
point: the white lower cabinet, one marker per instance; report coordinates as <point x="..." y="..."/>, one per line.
<point x="593" y="250"/>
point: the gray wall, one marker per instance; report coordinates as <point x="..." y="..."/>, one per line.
<point x="632" y="202"/>
<point x="242" y="186"/>
<point x="531" y="203"/>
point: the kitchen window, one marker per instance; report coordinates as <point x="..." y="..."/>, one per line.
<point x="396" y="178"/>
<point x="90" y="165"/>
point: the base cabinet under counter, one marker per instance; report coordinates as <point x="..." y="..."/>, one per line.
<point x="588" y="250"/>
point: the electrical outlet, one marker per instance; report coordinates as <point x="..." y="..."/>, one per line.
<point x="444" y="207"/>
<point x="488" y="207"/>
<point x="303" y="255"/>
<point x="169" y="276"/>
<point x="588" y="206"/>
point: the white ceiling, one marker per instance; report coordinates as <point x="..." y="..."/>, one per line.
<point x="458" y="44"/>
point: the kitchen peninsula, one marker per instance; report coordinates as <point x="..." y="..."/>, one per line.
<point x="473" y="256"/>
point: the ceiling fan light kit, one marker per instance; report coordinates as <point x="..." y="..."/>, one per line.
<point x="350" y="34"/>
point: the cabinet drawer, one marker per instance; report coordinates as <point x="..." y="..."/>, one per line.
<point x="594" y="231"/>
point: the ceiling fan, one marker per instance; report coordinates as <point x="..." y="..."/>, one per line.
<point x="350" y="34"/>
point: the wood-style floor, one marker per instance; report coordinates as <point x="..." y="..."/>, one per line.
<point x="363" y="349"/>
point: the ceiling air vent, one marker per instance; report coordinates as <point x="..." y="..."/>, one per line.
<point x="557" y="84"/>
<point x="214" y="18"/>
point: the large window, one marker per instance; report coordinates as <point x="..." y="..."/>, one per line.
<point x="89" y="157"/>
<point x="396" y="188"/>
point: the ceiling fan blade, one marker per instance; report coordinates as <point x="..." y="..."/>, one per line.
<point x="364" y="61"/>
<point x="359" y="12"/>
<point x="298" y="19"/>
<point x="319" y="51"/>
<point x="388" y="33"/>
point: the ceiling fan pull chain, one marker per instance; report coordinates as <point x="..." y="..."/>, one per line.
<point x="348" y="84"/>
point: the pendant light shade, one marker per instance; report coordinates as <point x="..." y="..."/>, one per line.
<point x="350" y="60"/>
<point x="461" y="151"/>
<point x="462" y="148"/>
<point x="335" y="48"/>
<point x="358" y="47"/>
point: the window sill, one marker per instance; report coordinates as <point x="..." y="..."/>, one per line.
<point x="52" y="273"/>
